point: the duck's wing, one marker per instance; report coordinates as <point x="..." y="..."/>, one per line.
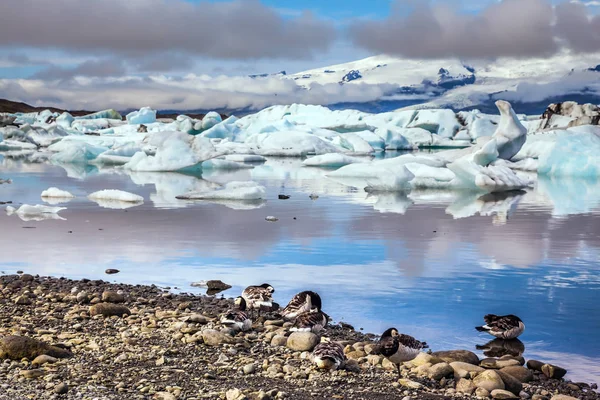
<point x="309" y="320"/>
<point x="411" y="342"/>
<point x="297" y="304"/>
<point x="504" y="323"/>
<point x="330" y="350"/>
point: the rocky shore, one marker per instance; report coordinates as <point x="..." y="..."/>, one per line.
<point x="65" y="339"/>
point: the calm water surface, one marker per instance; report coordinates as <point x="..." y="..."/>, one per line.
<point x="430" y="263"/>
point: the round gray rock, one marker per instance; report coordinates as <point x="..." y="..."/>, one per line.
<point x="302" y="341"/>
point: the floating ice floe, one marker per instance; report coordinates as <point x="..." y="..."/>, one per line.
<point x="35" y="213"/>
<point x="116" y="199"/>
<point x="230" y="191"/>
<point x="56" y="196"/>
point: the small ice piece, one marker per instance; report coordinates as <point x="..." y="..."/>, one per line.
<point x="116" y="199"/>
<point x="332" y="160"/>
<point x="230" y="191"/>
<point x="224" y="164"/>
<point x="271" y="218"/>
<point x="35" y="213"/>
<point x="55" y="192"/>
<point x="145" y="115"/>
<point x="56" y="196"/>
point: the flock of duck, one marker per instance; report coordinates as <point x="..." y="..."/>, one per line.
<point x="305" y="313"/>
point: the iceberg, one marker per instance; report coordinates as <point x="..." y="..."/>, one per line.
<point x="145" y="115"/>
<point x="35" y="213"/>
<point x="332" y="160"/>
<point x="230" y="191"/>
<point x="575" y="153"/>
<point x="74" y="152"/>
<point x="175" y="151"/>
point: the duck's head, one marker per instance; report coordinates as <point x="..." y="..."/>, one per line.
<point x="240" y="303"/>
<point x="315" y="300"/>
<point x="515" y="318"/>
<point x="390" y="333"/>
<point x="270" y="288"/>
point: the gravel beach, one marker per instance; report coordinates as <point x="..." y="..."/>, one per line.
<point x="67" y="339"/>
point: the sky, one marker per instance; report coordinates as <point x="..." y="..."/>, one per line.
<point x="80" y="43"/>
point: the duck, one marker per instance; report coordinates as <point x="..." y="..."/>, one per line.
<point x="237" y="318"/>
<point x="302" y="302"/>
<point x="259" y="297"/>
<point x="398" y="347"/>
<point x="503" y="326"/>
<point x="313" y="321"/>
<point x="329" y="356"/>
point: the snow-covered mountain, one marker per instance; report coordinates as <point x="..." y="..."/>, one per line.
<point x="531" y="84"/>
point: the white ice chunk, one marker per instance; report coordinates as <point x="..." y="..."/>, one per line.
<point x="74" y="151"/>
<point x="230" y="191"/>
<point x="353" y="143"/>
<point x="290" y="143"/>
<point x="441" y="122"/>
<point x="211" y="119"/>
<point x="116" y="195"/>
<point x="56" y="193"/>
<point x="145" y="115"/>
<point x="332" y="160"/>
<point x="116" y="199"/>
<point x="511" y="134"/>
<point x="394" y="140"/>
<point x="475" y="172"/>
<point x="65" y="120"/>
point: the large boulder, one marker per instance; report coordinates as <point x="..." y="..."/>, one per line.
<point x="522" y="374"/>
<point x="451" y="356"/>
<point x="464" y="370"/>
<point x="18" y="347"/>
<point x="489" y="380"/>
<point x="109" y="310"/>
<point x="302" y="341"/>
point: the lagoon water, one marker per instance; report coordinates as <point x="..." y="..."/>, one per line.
<point x="430" y="263"/>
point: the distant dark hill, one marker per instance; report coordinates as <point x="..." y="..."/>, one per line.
<point x="15" y="107"/>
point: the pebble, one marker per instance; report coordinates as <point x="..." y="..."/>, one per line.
<point x="61" y="388"/>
